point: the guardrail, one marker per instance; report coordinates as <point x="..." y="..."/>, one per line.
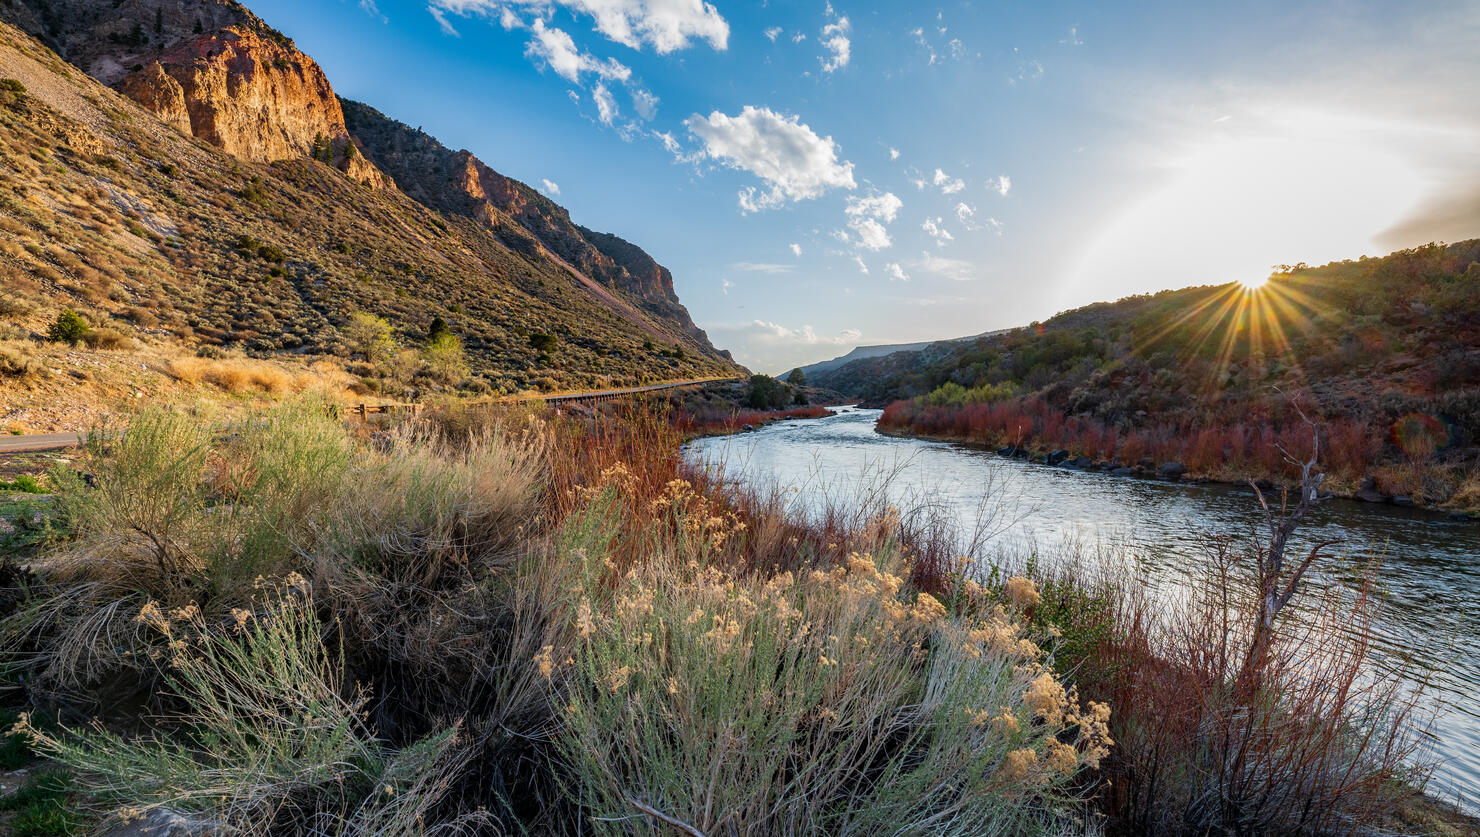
<point x="364" y="411"/>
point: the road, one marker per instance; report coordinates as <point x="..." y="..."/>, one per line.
<point x="57" y="441"/>
<point x="38" y="441"/>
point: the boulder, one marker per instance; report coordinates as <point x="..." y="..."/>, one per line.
<point x="1459" y="517"/>
<point x="1122" y="472"/>
<point x="1056" y="456"/>
<point x="1402" y="500"/>
<point x="1368" y="492"/>
<point x="1146" y="462"/>
<point x="1171" y="470"/>
<point x="1083" y="462"/>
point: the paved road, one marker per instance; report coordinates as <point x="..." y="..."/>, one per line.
<point x="57" y="441"/>
<point x="38" y="441"/>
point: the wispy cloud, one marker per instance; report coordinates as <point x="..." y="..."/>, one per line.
<point x="762" y="267"/>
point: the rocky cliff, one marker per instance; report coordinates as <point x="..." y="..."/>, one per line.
<point x="458" y="182"/>
<point x="209" y="68"/>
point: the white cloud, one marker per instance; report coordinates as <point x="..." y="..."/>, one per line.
<point x="795" y="163"/>
<point x="551" y="188"/>
<point x="761" y="267"/>
<point x="956" y="270"/>
<point x="441" y="18"/>
<point x="933" y="227"/>
<point x="773" y="33"/>
<point x="896" y="272"/>
<point x="868" y="215"/>
<point x="1001" y="184"/>
<point x="835" y="40"/>
<point x="556" y="49"/>
<point x="1027" y="72"/>
<point x="725" y="285"/>
<point x="894" y="153"/>
<point x="862" y="268"/>
<point x="948" y="185"/>
<point x="1073" y="39"/>
<point x="606" y="105"/>
<point x="799" y="37"/>
<point x="796" y="249"/>
<point x="644" y="102"/>
<point x="665" y="25"/>
<point x="369" y="8"/>
<point x="772" y="347"/>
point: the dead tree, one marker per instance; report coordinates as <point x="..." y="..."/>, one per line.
<point x="1277" y="582"/>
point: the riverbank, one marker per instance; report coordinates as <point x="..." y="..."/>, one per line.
<point x="1192" y="456"/>
<point x="1173" y="472"/>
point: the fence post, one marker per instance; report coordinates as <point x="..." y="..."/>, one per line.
<point x="362" y="412"/>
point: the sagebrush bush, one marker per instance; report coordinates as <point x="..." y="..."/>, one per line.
<point x="837" y="702"/>
<point x="17" y="362"/>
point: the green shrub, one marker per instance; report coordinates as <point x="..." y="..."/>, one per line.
<point x="69" y="327"/>
<point x="24" y="483"/>
<point x="11" y="85"/>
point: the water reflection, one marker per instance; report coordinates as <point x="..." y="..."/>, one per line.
<point x="1428" y="563"/>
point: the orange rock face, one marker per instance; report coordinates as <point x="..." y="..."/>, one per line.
<point x="250" y="96"/>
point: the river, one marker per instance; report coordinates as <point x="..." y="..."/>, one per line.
<point x="1430" y="566"/>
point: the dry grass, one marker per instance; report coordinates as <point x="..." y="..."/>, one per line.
<point x="237" y="375"/>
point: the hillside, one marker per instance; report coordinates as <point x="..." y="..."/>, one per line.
<point x="215" y="198"/>
<point x="862" y="352"/>
<point x="1386" y="351"/>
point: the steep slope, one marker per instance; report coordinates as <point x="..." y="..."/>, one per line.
<point x="458" y="182"/>
<point x="106" y="209"/>
<point x="209" y="68"/>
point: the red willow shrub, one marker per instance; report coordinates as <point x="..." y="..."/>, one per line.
<point x="1215" y="445"/>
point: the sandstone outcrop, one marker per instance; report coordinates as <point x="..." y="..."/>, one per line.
<point x="208" y="68"/>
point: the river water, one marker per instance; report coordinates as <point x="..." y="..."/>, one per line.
<point x="1430" y="566"/>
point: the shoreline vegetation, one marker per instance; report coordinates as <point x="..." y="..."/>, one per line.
<point x="1035" y="432"/>
<point x="488" y="622"/>
<point x="1379" y="350"/>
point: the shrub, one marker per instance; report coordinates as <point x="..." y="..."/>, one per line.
<point x="14" y="307"/>
<point x="69" y="327"/>
<point x="837" y="701"/>
<point x="370" y="336"/>
<point x="107" y="339"/>
<point x="18" y="363"/>
<point x="445" y="358"/>
<point x="267" y="741"/>
<point x="11" y="85"/>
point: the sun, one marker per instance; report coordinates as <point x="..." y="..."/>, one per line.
<point x="1253" y="284"/>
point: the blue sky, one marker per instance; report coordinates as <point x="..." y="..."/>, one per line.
<point x="819" y="176"/>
